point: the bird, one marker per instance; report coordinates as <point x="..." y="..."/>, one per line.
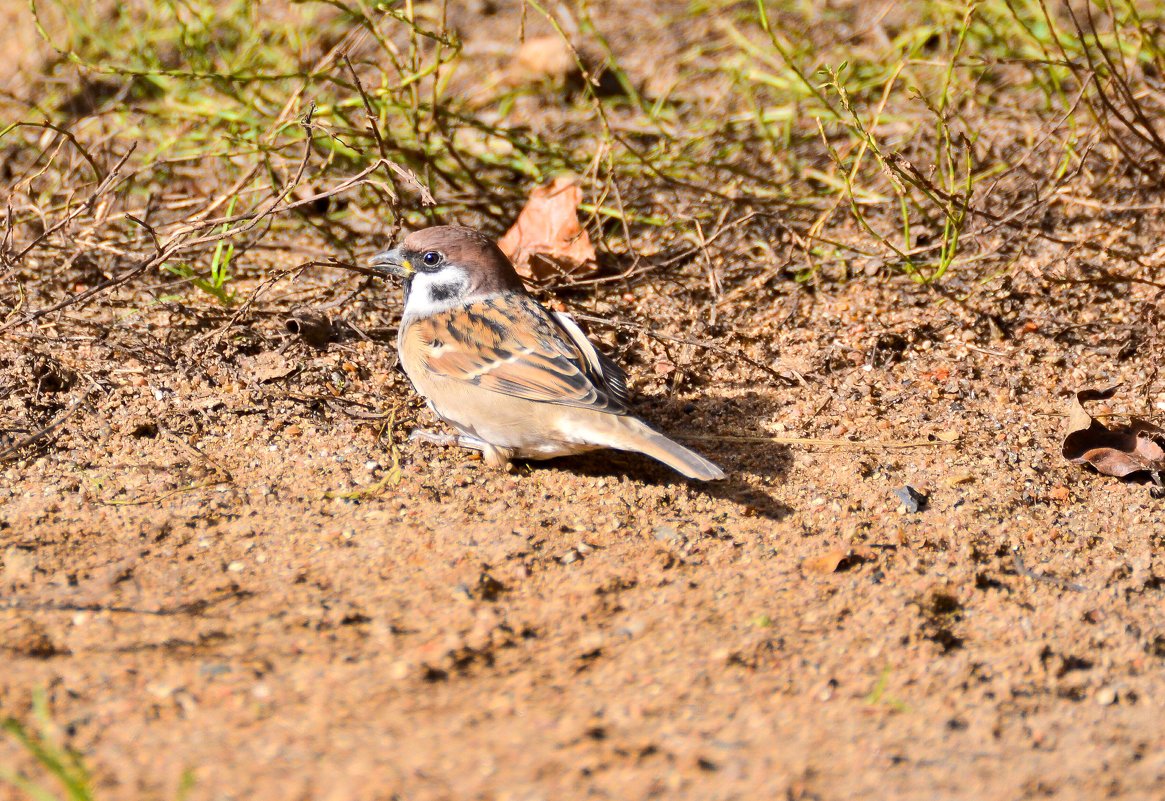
<point x="515" y="380"/>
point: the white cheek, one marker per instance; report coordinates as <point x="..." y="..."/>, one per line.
<point x="435" y="292"/>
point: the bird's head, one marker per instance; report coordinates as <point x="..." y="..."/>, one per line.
<point x="447" y="266"/>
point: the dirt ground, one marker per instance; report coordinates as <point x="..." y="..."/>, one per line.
<point x="228" y="563"/>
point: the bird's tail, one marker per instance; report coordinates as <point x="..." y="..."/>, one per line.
<point x="630" y="434"/>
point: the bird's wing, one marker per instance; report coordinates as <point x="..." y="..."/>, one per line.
<point x="612" y="374"/>
<point x="510" y="344"/>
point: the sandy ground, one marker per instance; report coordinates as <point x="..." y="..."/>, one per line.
<point x="595" y="627"/>
<point x="229" y="564"/>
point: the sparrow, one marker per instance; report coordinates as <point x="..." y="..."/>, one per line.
<point x="516" y="380"/>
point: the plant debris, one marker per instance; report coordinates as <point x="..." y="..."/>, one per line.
<point x="1120" y="452"/>
<point x="547" y="241"/>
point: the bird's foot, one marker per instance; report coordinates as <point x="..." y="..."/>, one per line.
<point x="491" y="455"/>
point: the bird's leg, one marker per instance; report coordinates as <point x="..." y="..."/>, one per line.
<point x="490" y="454"/>
<point x="447" y="440"/>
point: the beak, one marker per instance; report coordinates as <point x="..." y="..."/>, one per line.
<point x="392" y="261"/>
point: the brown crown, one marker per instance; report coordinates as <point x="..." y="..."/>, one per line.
<point x="488" y="268"/>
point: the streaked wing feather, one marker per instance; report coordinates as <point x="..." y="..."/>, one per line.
<point x="510" y="344"/>
<point x="613" y="377"/>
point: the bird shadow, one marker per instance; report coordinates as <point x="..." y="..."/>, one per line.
<point x="616" y="464"/>
<point x="742" y="415"/>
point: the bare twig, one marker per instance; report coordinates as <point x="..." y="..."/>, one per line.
<point x="36" y="436"/>
<point x="791" y="378"/>
<point x="1024" y="570"/>
<point x="189" y="608"/>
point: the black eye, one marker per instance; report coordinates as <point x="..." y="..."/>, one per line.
<point x="431" y="258"/>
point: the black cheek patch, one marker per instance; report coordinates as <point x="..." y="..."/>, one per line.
<point x="439" y="293"/>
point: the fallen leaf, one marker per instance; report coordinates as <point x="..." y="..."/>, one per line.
<point x="1113" y="452"/>
<point x="551" y="60"/>
<point x="543" y="57"/>
<point x="824" y="563"/>
<point x="547" y="240"/>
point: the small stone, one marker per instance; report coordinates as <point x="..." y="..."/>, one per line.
<point x="591" y="644"/>
<point x="160" y="689"/>
<point x="723" y="655"/>
<point x="913" y="500"/>
<point x="632" y="628"/>
<point x="235" y="567"/>
<point x="1106" y="696"/>
<point x="19" y="565"/>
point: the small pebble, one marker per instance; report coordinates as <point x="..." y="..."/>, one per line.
<point x="912" y="500"/>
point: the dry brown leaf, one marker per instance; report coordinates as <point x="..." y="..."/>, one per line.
<point x="826" y="562"/>
<point x="547" y="240"/>
<point x="543" y="57"/>
<point x="552" y="60"/>
<point x="1113" y="452"/>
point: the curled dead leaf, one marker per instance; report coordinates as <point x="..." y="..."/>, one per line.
<point x="547" y="240"/>
<point x="1118" y="452"/>
<point x="314" y="327"/>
